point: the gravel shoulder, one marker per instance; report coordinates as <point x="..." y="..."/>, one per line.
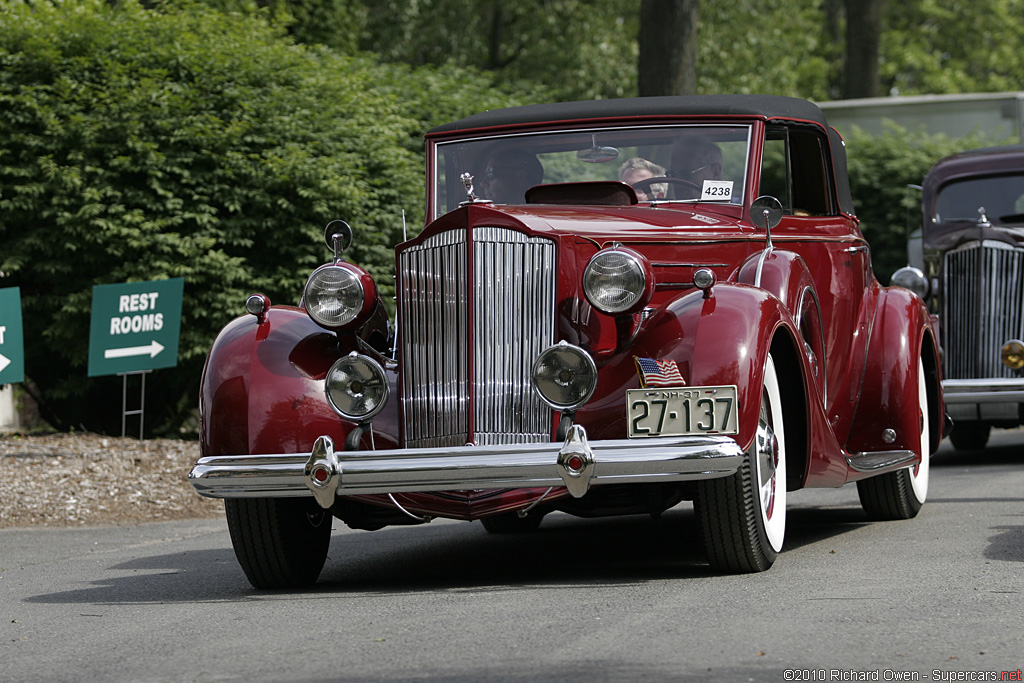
<point x="68" y="480"/>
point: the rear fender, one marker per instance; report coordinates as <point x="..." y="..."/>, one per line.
<point x="901" y="335"/>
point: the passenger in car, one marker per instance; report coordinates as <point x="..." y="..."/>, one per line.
<point x="507" y="175"/>
<point x="636" y="169"/>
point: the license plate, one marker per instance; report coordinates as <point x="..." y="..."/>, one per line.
<point x="682" y="411"/>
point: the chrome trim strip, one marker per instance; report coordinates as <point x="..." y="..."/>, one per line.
<point x="618" y="461"/>
<point x="880" y="461"/>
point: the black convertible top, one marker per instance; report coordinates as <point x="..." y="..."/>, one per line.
<point x="766" y="106"/>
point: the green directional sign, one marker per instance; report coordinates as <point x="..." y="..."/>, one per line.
<point x="135" y="326"/>
<point x="12" y="347"/>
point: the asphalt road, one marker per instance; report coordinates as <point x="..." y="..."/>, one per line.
<point x="940" y="597"/>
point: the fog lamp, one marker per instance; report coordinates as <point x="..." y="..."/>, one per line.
<point x="618" y="281"/>
<point x="338" y="294"/>
<point x="911" y="278"/>
<point x="565" y="376"/>
<point x="357" y="387"/>
<point x="1012" y="354"/>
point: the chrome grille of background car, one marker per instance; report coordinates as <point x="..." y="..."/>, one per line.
<point x="984" y="305"/>
<point x="512" y="299"/>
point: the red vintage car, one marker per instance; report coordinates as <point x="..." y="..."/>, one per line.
<point x="614" y="307"/>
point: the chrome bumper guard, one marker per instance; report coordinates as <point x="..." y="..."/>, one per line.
<point x="993" y="390"/>
<point x="577" y="465"/>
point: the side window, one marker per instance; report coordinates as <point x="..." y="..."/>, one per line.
<point x="775" y="168"/>
<point x="794" y="170"/>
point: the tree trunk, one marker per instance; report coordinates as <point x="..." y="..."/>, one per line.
<point x="668" y="47"/>
<point x="863" y="46"/>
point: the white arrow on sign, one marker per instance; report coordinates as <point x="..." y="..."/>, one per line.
<point x="4" y="362"/>
<point x="150" y="350"/>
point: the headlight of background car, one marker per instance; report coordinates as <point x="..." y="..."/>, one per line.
<point x="565" y="376"/>
<point x="618" y="281"/>
<point x="911" y="278"/>
<point x="338" y="295"/>
<point x="357" y="387"/>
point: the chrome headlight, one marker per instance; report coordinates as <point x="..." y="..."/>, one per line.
<point x="911" y="278"/>
<point x="357" y="387"/>
<point x="565" y="376"/>
<point x="618" y="281"/>
<point x="338" y="294"/>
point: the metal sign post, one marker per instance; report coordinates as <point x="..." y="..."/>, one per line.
<point x="141" y="411"/>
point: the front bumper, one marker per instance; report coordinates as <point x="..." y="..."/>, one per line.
<point x="577" y="465"/>
<point x="993" y="399"/>
<point x="993" y="390"/>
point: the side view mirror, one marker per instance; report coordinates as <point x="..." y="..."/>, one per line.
<point x="766" y="212"/>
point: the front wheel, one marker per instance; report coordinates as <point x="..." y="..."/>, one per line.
<point x="511" y="523"/>
<point x="969" y="436"/>
<point x="280" y="542"/>
<point x="743" y="516"/>
<point x="900" y="494"/>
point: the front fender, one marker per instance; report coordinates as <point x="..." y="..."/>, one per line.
<point x="720" y="340"/>
<point x="262" y="387"/>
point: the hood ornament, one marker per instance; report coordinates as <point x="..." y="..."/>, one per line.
<point x="471" y="198"/>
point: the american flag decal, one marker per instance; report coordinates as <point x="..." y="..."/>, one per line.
<point x="658" y="373"/>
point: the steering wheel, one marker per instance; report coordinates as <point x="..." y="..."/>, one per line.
<point x="645" y="185"/>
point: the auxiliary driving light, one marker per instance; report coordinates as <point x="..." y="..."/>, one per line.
<point x="1012" y="354"/>
<point x="357" y="387"/>
<point x="565" y="376"/>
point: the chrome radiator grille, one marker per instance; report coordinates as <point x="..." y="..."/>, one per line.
<point x="456" y="335"/>
<point x="983" y="295"/>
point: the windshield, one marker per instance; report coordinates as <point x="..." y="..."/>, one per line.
<point x="693" y="163"/>
<point x="1001" y="197"/>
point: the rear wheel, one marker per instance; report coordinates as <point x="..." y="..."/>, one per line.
<point x="280" y="542"/>
<point x="900" y="494"/>
<point x="743" y="516"/>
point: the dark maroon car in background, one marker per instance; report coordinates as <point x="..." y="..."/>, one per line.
<point x="971" y="270"/>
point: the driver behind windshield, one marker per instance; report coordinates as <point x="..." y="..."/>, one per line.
<point x="695" y="159"/>
<point x="506" y="175"/>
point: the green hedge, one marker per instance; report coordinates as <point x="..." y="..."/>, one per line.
<point x="139" y="145"/>
<point x="882" y="167"/>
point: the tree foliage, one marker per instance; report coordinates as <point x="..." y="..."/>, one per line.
<point x="578" y="49"/>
